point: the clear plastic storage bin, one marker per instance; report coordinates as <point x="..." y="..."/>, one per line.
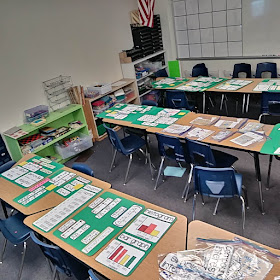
<point x="74" y="148"/>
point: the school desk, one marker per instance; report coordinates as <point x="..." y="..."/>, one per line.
<point x="246" y="90"/>
<point x="198" y="229"/>
<point x="254" y="148"/>
<point x="9" y="191"/>
<point x="173" y="240"/>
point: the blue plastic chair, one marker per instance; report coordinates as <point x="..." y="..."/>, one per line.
<point x="177" y="99"/>
<point x="218" y="183"/>
<point x="201" y="154"/>
<point x="242" y="68"/>
<point x="6" y="166"/>
<point x="161" y="73"/>
<point x="270" y="104"/>
<point x="15" y="232"/>
<point x="92" y="276"/>
<point x="171" y="148"/>
<point x="84" y="168"/>
<point x="266" y="67"/>
<point x="62" y="261"/>
<point x="149" y="103"/>
<point x="126" y="146"/>
<point x="200" y="70"/>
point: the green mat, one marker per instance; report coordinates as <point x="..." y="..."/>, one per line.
<point x="112" y="112"/>
<point x="154" y="112"/>
<point x="95" y="225"/>
<point x="174" y="68"/>
<point x="273" y="85"/>
<point x="176" y="83"/>
<point x="35" y="165"/>
<point x="271" y="145"/>
<point x="203" y="85"/>
<point x="132" y="246"/>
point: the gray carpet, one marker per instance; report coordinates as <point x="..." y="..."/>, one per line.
<point x="261" y="228"/>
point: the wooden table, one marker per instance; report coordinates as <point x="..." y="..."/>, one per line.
<point x="174" y="240"/>
<point x="248" y="89"/>
<point x="203" y="230"/>
<point x="9" y="191"/>
<point x="254" y="148"/>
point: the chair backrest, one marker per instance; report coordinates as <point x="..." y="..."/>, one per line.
<point x="6" y="166"/>
<point x="266" y="67"/>
<point x="114" y="139"/>
<point x="200" y="70"/>
<point x="200" y="154"/>
<point x="270" y="103"/>
<point x="84" y="168"/>
<point x="161" y="73"/>
<point x="215" y="182"/>
<point x="242" y="68"/>
<point x="171" y="147"/>
<point x="149" y="102"/>
<point x="177" y="99"/>
<point x="63" y="261"/>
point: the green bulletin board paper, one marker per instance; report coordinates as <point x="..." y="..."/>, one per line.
<point x="156" y="110"/>
<point x="130" y="117"/>
<point x="271" y="145"/>
<point x="132" y="246"/>
<point x="100" y="224"/>
<point x="174" y="68"/>
<point x="56" y="167"/>
<point x="176" y="83"/>
<point x="24" y="201"/>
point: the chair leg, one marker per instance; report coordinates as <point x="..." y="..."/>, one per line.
<point x="22" y="260"/>
<point x="194" y="204"/>
<point x="159" y="172"/>
<point x="187" y="186"/>
<point x="269" y="170"/>
<point x="243" y="214"/>
<point x="148" y="158"/>
<point x="3" y="250"/>
<point x="245" y="196"/>
<point x="54" y="274"/>
<point x="216" y="207"/>
<point x="128" y="167"/>
<point x="180" y="164"/>
<point x="113" y="161"/>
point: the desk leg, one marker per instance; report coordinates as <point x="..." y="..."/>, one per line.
<point x="4" y="209"/>
<point x="243" y="104"/>
<point x="248" y="101"/>
<point x="203" y="102"/>
<point x="259" y="179"/>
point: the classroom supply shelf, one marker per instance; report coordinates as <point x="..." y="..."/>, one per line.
<point x="95" y="125"/>
<point x="56" y="119"/>
<point x="129" y="70"/>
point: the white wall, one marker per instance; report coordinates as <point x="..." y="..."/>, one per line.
<point x="41" y="39"/>
<point x="164" y="8"/>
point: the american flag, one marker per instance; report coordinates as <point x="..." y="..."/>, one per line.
<point x="146" y="12"/>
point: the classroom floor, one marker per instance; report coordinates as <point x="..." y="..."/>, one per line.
<point x="261" y="228"/>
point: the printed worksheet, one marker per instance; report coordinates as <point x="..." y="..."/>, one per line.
<point x="247" y="139"/>
<point x="251" y="126"/>
<point x="14" y="173"/>
<point x="204" y="121"/>
<point x="200" y="133"/>
<point x="177" y="129"/>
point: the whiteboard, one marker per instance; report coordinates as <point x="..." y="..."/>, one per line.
<point x="226" y="28"/>
<point x="261" y="24"/>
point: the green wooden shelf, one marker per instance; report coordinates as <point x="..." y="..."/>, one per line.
<point x="57" y="119"/>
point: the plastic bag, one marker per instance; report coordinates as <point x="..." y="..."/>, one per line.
<point x="235" y="259"/>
